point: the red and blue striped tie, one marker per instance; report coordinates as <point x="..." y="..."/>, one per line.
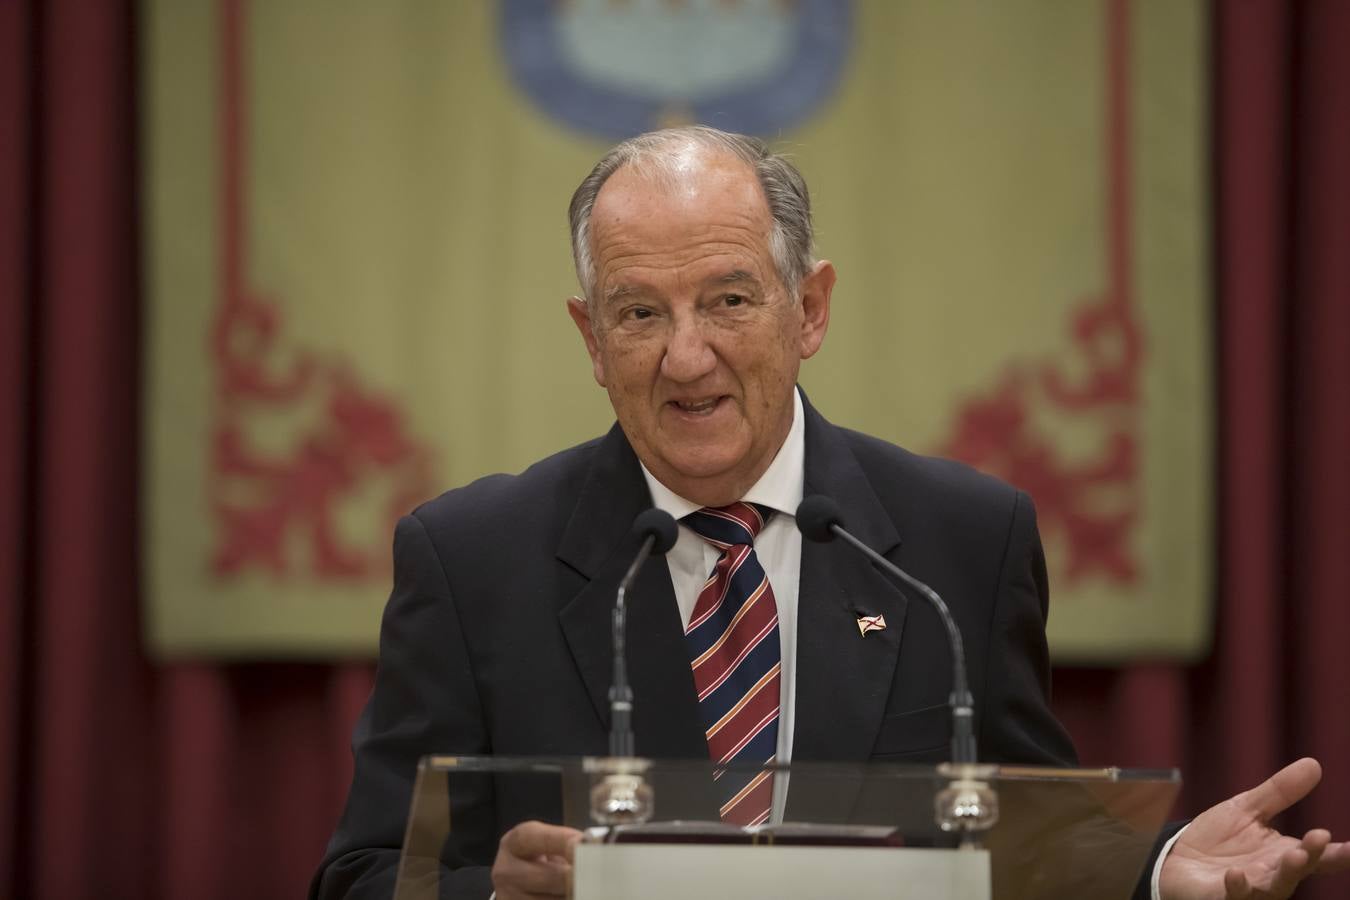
<point x="733" y="647"/>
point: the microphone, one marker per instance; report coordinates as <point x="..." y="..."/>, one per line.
<point x="819" y="519"/>
<point x="657" y="530"/>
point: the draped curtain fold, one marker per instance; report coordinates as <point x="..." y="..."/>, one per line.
<point x="137" y="779"/>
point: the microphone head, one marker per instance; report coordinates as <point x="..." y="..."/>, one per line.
<point x="816" y="516"/>
<point x="660" y="525"/>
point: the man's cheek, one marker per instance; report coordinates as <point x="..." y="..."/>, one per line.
<point x="631" y="365"/>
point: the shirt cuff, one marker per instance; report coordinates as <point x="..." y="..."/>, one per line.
<point x="1154" y="890"/>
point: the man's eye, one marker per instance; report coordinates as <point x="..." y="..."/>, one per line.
<point x="638" y="313"/>
<point x="734" y="300"/>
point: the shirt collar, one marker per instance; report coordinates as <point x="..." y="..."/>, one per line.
<point x="779" y="488"/>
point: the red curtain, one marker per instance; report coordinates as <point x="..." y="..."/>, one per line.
<point x="136" y="779"/>
<point x="130" y="779"/>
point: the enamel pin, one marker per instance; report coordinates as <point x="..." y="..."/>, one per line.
<point x="871" y="623"/>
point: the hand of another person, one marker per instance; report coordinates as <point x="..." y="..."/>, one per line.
<point x="534" y="860"/>
<point x="1230" y="850"/>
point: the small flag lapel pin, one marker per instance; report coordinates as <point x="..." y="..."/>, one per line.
<point x="871" y="623"/>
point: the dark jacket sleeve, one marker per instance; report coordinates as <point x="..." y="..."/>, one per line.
<point x="425" y="699"/>
<point x="1017" y="723"/>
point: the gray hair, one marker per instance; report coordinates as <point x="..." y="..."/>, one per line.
<point x="790" y="241"/>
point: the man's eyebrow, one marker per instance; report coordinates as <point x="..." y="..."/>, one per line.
<point x="736" y="276"/>
<point x="618" y="292"/>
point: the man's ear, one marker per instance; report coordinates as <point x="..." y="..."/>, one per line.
<point x="581" y="315"/>
<point x="816" y="289"/>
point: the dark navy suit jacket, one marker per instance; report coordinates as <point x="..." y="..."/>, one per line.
<point x="496" y="638"/>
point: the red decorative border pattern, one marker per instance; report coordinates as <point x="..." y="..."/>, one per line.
<point x="1091" y="504"/>
<point x="277" y="511"/>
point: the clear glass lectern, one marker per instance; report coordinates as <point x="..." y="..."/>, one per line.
<point x="653" y="829"/>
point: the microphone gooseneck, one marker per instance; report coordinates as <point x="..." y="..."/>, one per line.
<point x="657" y="531"/>
<point x="819" y="519"/>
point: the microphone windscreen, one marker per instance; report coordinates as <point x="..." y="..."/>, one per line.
<point x="816" y="515"/>
<point x="660" y="525"/>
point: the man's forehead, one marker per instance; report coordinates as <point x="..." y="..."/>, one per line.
<point x="713" y="184"/>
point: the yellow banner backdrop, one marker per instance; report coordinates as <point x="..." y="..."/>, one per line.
<point x="357" y="260"/>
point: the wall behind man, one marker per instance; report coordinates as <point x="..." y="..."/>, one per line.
<point x="356" y="263"/>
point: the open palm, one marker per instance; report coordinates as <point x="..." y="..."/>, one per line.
<point x="1230" y="850"/>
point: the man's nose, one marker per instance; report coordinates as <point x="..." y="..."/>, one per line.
<point x="688" y="356"/>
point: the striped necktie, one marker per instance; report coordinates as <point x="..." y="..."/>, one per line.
<point x="733" y="647"/>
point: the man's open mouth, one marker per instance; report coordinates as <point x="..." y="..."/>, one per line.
<point x="696" y="407"/>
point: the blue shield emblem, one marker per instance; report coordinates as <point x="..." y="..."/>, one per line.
<point x="615" y="68"/>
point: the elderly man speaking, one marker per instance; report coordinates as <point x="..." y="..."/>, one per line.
<point x="700" y="299"/>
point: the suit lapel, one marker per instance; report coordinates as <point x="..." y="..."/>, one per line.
<point x="597" y="544"/>
<point x="843" y="678"/>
